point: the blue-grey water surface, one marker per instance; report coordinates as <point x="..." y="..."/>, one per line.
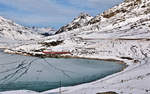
<point x="40" y="74"/>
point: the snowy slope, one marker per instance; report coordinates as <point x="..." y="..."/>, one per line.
<point x="130" y="16"/>
<point x="11" y="30"/>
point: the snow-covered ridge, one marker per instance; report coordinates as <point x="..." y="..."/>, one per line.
<point x="78" y="22"/>
<point x="120" y="13"/>
<point x="11" y="30"/>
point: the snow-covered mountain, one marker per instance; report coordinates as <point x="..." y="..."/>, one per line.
<point x="130" y="13"/>
<point x="46" y="31"/>
<point x="78" y="22"/>
<point x="131" y="17"/>
<point x="11" y="30"/>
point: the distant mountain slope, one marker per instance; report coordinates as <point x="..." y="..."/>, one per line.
<point x="78" y="22"/>
<point x="11" y="30"/>
<point x="45" y="31"/>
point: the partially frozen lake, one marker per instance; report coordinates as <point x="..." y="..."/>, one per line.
<point x="41" y="74"/>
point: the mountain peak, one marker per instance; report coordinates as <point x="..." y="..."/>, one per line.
<point x="78" y="22"/>
<point x="82" y="18"/>
<point x="84" y="15"/>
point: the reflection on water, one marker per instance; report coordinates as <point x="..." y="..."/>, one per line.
<point x="41" y="74"/>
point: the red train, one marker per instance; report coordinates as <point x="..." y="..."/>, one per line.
<point x="46" y="52"/>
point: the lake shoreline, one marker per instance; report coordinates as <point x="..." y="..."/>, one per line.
<point x="119" y="61"/>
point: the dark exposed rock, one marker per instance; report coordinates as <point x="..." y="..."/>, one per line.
<point x="127" y="58"/>
<point x="53" y="43"/>
<point x="110" y="92"/>
<point x="113" y="13"/>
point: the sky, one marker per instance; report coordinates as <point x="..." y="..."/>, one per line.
<point x="53" y="13"/>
